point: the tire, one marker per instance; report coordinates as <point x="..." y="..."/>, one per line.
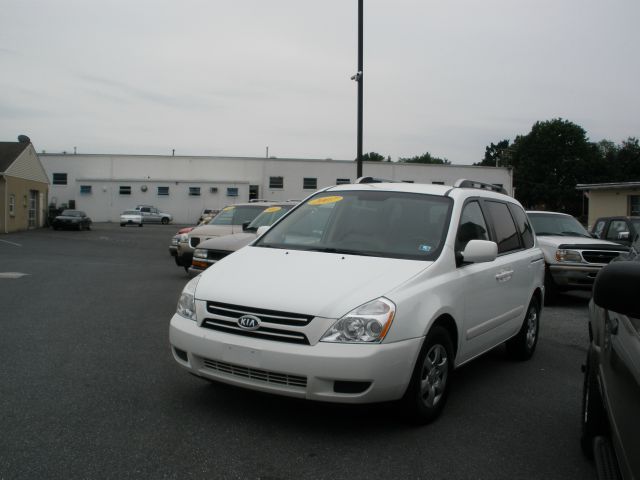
<point x="522" y="346"/>
<point x="430" y="382"/>
<point x="140" y="224"/>
<point x="122" y="224"/>
<point x="551" y="290"/>
<point x="186" y="268"/>
<point x="594" y="417"/>
<point x="164" y="220"/>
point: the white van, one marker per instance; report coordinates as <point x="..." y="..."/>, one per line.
<point x="368" y="292"/>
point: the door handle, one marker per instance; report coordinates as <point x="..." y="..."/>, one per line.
<point x="504" y="276"/>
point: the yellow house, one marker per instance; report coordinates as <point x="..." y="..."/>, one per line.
<point x="612" y="199"/>
<point x="24" y="187"/>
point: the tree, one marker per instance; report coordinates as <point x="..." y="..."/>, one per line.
<point x="548" y="163"/>
<point x="627" y="164"/>
<point x="496" y="155"/>
<point x="425" y="158"/>
<point x="372" y="157"/>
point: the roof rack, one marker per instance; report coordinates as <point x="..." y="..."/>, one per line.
<point x="464" y="183"/>
<point x="373" y="180"/>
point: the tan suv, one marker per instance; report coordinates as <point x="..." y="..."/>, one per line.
<point x="229" y="220"/>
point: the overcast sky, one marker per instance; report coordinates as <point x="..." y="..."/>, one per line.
<point x="212" y="77"/>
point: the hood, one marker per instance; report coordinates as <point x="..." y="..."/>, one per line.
<point x="229" y="243"/>
<point x="208" y="231"/>
<point x="314" y="283"/>
<point x="591" y="243"/>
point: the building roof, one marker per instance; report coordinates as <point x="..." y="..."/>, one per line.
<point x="9" y="152"/>
<point x="607" y="186"/>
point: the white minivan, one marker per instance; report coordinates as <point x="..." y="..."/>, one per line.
<point x="368" y="292"/>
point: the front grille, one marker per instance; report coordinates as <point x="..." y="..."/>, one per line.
<point x="264" y="333"/>
<point x="269" y="316"/>
<point x="193" y="242"/>
<point x="599" y="256"/>
<point x="274" y="325"/>
<point x="217" y="254"/>
<point x="256" y="374"/>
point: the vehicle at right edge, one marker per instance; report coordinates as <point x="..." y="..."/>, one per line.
<point x="572" y="256"/>
<point x="368" y="292"/>
<point x="611" y="394"/>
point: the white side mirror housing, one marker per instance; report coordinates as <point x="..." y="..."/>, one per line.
<point x="480" y="251"/>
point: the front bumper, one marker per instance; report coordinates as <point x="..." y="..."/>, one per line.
<point x="302" y="371"/>
<point x="574" y="276"/>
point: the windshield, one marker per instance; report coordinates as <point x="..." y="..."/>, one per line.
<point x="556" y="224"/>
<point x="375" y="223"/>
<point x="268" y="217"/>
<point x="237" y="215"/>
<point x="71" y="213"/>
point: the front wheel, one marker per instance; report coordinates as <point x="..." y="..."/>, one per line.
<point x="427" y="393"/>
<point x="165" y="220"/>
<point x="522" y="346"/>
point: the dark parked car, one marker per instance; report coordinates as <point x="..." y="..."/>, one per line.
<point x="611" y="398"/>
<point x="75" y="219"/>
<point x="622" y="230"/>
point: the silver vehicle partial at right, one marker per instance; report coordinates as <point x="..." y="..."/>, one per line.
<point x="572" y="256"/>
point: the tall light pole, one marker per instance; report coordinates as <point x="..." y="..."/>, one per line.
<point x="358" y="77"/>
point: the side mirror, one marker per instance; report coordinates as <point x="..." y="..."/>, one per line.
<point x="594" y="235"/>
<point x="616" y="288"/>
<point x="623" y="235"/>
<point x="245" y="225"/>
<point x="480" y="251"/>
<point x="262" y="229"/>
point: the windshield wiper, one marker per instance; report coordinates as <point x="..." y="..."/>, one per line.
<point x="343" y="251"/>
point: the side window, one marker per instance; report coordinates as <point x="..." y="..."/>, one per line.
<point x="506" y="233"/>
<point x="524" y="227"/>
<point x="472" y="226"/>
<point x="597" y="230"/>
<point x="615" y="228"/>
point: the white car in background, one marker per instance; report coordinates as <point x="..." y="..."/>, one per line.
<point x="131" y="217"/>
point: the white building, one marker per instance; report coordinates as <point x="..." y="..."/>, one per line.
<point x="105" y="185"/>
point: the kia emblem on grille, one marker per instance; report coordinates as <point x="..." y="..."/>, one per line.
<point x="249" y="322"/>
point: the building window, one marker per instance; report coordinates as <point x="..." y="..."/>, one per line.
<point x="163" y="190"/>
<point x="12" y="205"/>
<point x="194" y="191"/>
<point x="125" y="189"/>
<point x="276" y="182"/>
<point x="634" y="205"/>
<point x="309" y="183"/>
<point x="232" y="191"/>
<point x="85" y="189"/>
<point x="342" y="181"/>
<point x="59" y="178"/>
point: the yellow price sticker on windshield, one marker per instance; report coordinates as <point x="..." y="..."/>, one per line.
<point x="226" y="209"/>
<point x="273" y="209"/>
<point x="325" y="200"/>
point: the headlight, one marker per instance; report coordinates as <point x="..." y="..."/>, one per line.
<point x="568" y="256"/>
<point x="369" y="323"/>
<point x="183" y="237"/>
<point x="200" y="253"/>
<point x="187" y="302"/>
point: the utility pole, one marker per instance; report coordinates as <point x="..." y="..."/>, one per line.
<point x="358" y="77"/>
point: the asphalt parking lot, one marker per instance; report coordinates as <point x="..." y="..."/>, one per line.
<point x="89" y="388"/>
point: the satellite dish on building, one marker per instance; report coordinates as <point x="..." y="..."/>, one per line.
<point x="24" y="139"/>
